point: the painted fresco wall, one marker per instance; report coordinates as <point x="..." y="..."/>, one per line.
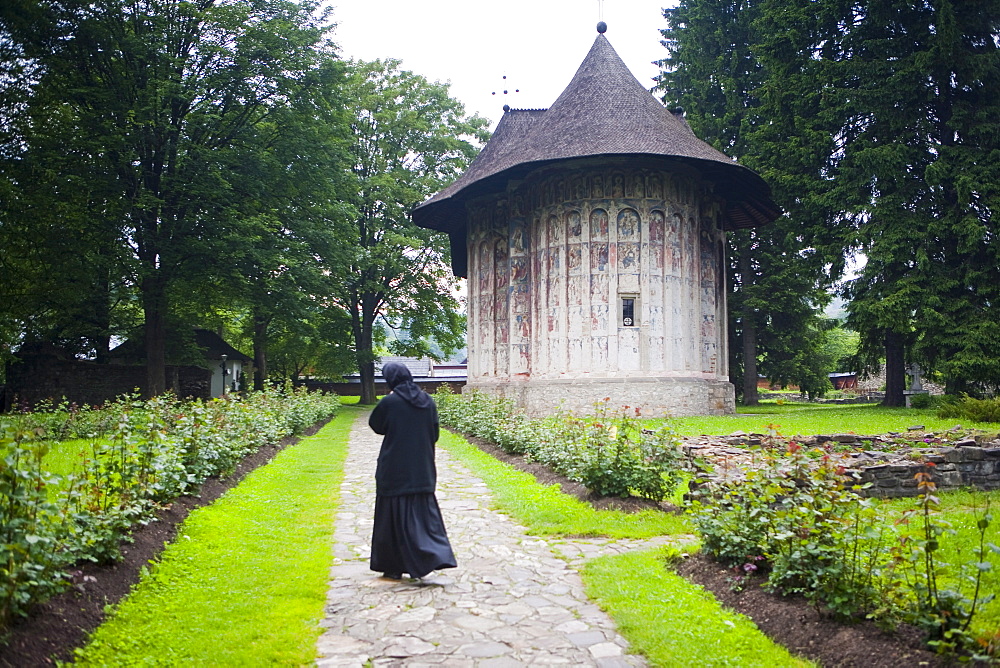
<point x="550" y="263"/>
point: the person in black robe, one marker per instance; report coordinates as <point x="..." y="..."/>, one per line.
<point x="409" y="535"/>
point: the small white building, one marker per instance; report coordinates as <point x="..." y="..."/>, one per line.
<point x="226" y="363"/>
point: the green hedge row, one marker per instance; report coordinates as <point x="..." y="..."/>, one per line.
<point x="609" y="451"/>
<point x="141" y="455"/>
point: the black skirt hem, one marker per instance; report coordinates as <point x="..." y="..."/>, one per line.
<point x="409" y="536"/>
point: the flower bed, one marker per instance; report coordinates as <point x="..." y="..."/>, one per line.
<point x="142" y="455"/>
<point x="609" y="452"/>
<point x="796" y="520"/>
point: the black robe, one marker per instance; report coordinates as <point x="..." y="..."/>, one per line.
<point x="409" y="534"/>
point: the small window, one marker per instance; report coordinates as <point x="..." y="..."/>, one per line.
<point x="628" y="311"/>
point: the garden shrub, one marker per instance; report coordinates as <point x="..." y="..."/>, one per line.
<point x="30" y="525"/>
<point x="970" y="408"/>
<point x="626" y="459"/>
<point x="945" y="613"/>
<point x="795" y="520"/>
<point x="142" y="455"/>
<point x="921" y="401"/>
<point x="609" y="452"/>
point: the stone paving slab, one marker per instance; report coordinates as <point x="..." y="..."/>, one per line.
<point x="514" y="600"/>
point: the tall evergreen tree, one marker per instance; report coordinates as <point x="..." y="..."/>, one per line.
<point x="922" y="85"/>
<point x="873" y="121"/>
<point x="777" y="273"/>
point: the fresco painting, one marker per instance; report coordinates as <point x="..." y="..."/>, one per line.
<point x="544" y="285"/>
<point x="628" y="224"/>
<point x="628" y="258"/>
<point x="599" y="257"/>
<point x="599" y="225"/>
<point x="575" y="258"/>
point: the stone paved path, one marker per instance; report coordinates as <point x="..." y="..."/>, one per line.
<point x="514" y="600"/>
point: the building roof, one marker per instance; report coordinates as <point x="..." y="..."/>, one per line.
<point x="604" y="111"/>
<point x="420" y="367"/>
<point x="212" y="347"/>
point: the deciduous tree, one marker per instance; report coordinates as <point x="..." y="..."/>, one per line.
<point x="163" y="97"/>
<point x="410" y="139"/>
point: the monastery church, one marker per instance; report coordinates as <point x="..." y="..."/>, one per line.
<point x="592" y="237"/>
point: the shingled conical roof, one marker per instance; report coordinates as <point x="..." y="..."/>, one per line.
<point x="604" y="111"/>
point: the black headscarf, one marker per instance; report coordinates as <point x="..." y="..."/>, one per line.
<point x="400" y="381"/>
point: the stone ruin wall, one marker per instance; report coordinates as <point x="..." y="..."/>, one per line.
<point x="970" y="461"/>
<point x="549" y="263"/>
<point x="954" y="468"/>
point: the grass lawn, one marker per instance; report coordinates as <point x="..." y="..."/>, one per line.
<point x="663" y="616"/>
<point x="64" y="457"/>
<point x="672" y="622"/>
<point x="246" y="579"/>
<point x="808" y="419"/>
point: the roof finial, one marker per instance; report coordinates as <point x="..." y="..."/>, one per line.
<point x="602" y="27"/>
<point x="506" y="90"/>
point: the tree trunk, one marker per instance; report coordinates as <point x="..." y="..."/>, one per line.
<point x="260" y="325"/>
<point x="102" y="321"/>
<point x="367" y="370"/>
<point x="750" y="397"/>
<point x="895" y="371"/>
<point x="154" y="306"/>
<point x="749" y="326"/>
<point x="362" y="323"/>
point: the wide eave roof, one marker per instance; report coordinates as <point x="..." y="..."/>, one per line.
<point x="604" y="111"/>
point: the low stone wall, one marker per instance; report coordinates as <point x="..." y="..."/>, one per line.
<point x="953" y="459"/>
<point x="950" y="468"/>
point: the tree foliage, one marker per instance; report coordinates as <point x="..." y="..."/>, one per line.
<point x="156" y="107"/>
<point x="410" y="139"/>
<point x="166" y="164"/>
<point x="922" y="90"/>
<point x="873" y="122"/>
<point x="778" y="274"/>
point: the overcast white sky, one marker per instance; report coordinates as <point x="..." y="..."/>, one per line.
<point x="537" y="44"/>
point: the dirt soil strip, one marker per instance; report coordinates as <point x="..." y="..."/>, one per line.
<point x="805" y="631"/>
<point x="55" y="628"/>
<point x="791" y="621"/>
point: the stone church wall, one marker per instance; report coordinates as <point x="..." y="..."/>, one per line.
<point x="551" y="265"/>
